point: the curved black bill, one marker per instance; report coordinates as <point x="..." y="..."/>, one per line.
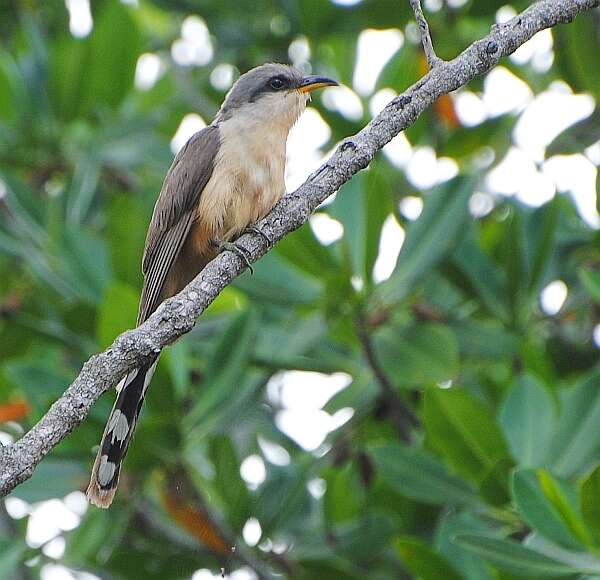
<point x="313" y="82"/>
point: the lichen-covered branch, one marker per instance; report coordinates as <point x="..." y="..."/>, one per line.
<point x="178" y="315"/>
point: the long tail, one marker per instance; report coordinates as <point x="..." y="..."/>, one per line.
<point x="118" y="434"/>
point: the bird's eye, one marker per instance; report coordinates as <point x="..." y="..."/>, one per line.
<point x="276" y="83"/>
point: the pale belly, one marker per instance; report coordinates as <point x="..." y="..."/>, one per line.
<point x="244" y="187"/>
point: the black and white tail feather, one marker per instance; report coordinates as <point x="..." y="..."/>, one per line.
<point x="174" y="214"/>
<point x="118" y="434"/>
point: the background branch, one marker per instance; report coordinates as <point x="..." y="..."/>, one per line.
<point x="178" y="314"/>
<point x="432" y="59"/>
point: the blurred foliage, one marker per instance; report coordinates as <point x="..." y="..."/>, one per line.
<point x="502" y="473"/>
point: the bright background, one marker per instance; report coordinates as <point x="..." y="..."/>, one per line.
<point x="270" y="415"/>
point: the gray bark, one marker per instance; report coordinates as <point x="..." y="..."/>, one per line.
<point x="178" y="315"/>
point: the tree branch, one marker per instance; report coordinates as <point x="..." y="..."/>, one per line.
<point x="401" y="414"/>
<point x="432" y="59"/>
<point x="178" y="315"/>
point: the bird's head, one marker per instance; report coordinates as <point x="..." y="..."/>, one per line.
<point x="272" y="93"/>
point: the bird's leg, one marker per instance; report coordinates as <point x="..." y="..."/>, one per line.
<point x="256" y="230"/>
<point x="238" y="250"/>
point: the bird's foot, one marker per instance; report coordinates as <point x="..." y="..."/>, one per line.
<point x="257" y="230"/>
<point x="238" y="250"/>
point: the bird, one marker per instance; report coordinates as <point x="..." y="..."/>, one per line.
<point x="226" y="177"/>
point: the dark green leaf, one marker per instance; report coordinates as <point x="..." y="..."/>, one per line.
<point x="528" y="418"/>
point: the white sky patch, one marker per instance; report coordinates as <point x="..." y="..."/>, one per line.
<point x="398" y="151"/>
<point x="303" y="147"/>
<point x="548" y="115"/>
<point x="317" y="487"/>
<point x="55" y="548"/>
<point x="596" y="335"/>
<point x="189" y="125"/>
<point x="80" y="17"/>
<point x="274" y="453"/>
<point x="390" y="243"/>
<point x="374" y="49"/>
<point x="504" y="92"/>
<point x="47" y="520"/>
<point x="505" y="13"/>
<point x="553" y="297"/>
<point x="411" y="207"/>
<point x="302" y="395"/>
<point x="433" y="5"/>
<point x="425" y="171"/>
<point x="76" y="502"/>
<point x="194" y="47"/>
<point x="294" y="424"/>
<point x="56" y="572"/>
<point x="469" y="108"/>
<point x="537" y="50"/>
<point x="422" y="168"/>
<point x="253" y="471"/>
<point x="326" y="229"/>
<point x="252" y="532"/>
<point x="480" y="204"/>
<point x="380" y="99"/>
<point x="222" y="76"/>
<point x="305" y="389"/>
<point x="347" y="2"/>
<point x="592" y="153"/>
<point x="16" y="507"/>
<point x="517" y="174"/>
<point x="148" y="70"/>
<point x="299" y="51"/>
<point x="576" y="175"/>
<point x="343" y="100"/>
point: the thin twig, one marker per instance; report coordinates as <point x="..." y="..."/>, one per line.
<point x="177" y="316"/>
<point x="401" y="414"/>
<point x="432" y="59"/>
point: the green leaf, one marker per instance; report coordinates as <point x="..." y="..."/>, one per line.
<point x="53" y="478"/>
<point x="415" y="474"/>
<point x="578" y="44"/>
<point x="303" y="251"/>
<point x="541" y="228"/>
<point x="471" y="566"/>
<point x="362" y="207"/>
<point x="431" y="237"/>
<point x="514" y="557"/>
<point x="481" y="274"/>
<point x="127" y="230"/>
<point x="117" y="313"/>
<point x="564" y="501"/>
<point x="528" y="418"/>
<point x="423" y="562"/>
<point x="464" y="431"/>
<point x="227" y="366"/>
<point x="577" y="439"/>
<point x="418" y="355"/>
<point x="342" y="500"/>
<point x="537" y="511"/>
<point x="275" y="282"/>
<point x="85" y="264"/>
<point x="589" y="504"/>
<point x="577" y="137"/>
<point x="228" y="482"/>
<point x="591" y="282"/>
<point x="11" y="552"/>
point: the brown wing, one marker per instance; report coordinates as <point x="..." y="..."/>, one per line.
<point x="174" y="213"/>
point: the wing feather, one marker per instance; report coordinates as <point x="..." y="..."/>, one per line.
<point x="174" y="213"/>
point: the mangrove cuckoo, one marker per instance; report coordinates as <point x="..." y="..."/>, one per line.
<point x="227" y="176"/>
